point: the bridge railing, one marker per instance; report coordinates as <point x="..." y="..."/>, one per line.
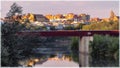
<point x="69" y="33"/>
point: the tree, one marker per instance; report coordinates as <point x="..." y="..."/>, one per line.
<point x="103" y="25"/>
<point x="79" y="26"/>
<point x="9" y="39"/>
<point x="75" y="49"/>
<point x="104" y="51"/>
<point x="9" y="42"/>
<point x="104" y="46"/>
<point x="15" y="8"/>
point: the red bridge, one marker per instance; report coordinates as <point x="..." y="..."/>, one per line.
<point x="69" y="33"/>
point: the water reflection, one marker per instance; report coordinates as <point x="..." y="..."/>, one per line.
<point x="40" y="58"/>
<point x="104" y="62"/>
<point x="63" y="58"/>
<point x="93" y="62"/>
<point x="33" y="61"/>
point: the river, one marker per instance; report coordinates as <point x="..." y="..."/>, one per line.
<point x="64" y="59"/>
<point x="58" y="54"/>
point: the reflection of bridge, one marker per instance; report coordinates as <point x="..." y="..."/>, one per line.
<point x="50" y="51"/>
<point x="85" y="37"/>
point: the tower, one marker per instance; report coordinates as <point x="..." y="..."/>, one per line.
<point x="112" y="15"/>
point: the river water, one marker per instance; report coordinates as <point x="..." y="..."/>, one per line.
<point x="51" y="59"/>
<point x="58" y="54"/>
<point x="64" y="59"/>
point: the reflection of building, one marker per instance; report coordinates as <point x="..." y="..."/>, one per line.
<point x="62" y="58"/>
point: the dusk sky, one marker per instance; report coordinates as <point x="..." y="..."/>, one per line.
<point x="99" y="9"/>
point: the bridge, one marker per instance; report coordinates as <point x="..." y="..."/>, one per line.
<point x="84" y="38"/>
<point x="69" y="33"/>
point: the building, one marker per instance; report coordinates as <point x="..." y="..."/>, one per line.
<point x="59" y="27"/>
<point x="95" y="19"/>
<point x="69" y="16"/>
<point x="49" y="16"/>
<point x="40" y="18"/>
<point x="84" y="18"/>
<point x="113" y="17"/>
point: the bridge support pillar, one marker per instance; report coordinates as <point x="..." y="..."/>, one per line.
<point x="84" y="50"/>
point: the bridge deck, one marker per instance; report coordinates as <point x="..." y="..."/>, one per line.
<point x="69" y="33"/>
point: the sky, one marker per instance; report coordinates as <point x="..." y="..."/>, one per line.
<point x="99" y="9"/>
